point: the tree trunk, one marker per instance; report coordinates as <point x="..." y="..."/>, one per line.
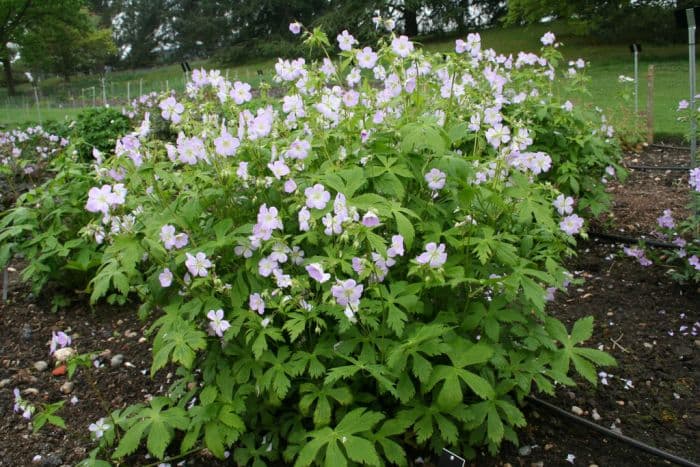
<point x="9" y="80"/>
<point x="410" y="19"/>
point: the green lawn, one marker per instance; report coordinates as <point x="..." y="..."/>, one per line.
<point x="607" y="62"/>
<point x="18" y="116"/>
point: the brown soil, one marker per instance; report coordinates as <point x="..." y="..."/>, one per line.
<point x="647" y="322"/>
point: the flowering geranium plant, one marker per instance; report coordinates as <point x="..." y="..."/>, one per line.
<point x="358" y="266"/>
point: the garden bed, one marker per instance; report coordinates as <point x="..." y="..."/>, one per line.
<point x="647" y="322"/>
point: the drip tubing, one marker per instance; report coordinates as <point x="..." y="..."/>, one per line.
<point x="659" y="167"/>
<point x="613" y="434"/>
<point x="669" y="146"/>
<point x="634" y="240"/>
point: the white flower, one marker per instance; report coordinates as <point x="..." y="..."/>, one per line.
<point x="98" y="428"/>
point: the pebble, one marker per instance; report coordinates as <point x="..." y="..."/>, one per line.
<point x="129" y="333"/>
<point x="648" y="345"/>
<point x="32" y="391"/>
<point x="64" y="354"/>
<point x="116" y="360"/>
<point x="41" y="365"/>
<point x="142" y="340"/>
<point x="596" y="416"/>
<point x="525" y="450"/>
<point x="697" y="342"/>
<point x="537" y="464"/>
<point x="67" y="387"/>
<point x="577" y="410"/>
<point x="620" y="403"/>
<point x="5" y="382"/>
<point x="26" y="332"/>
<point x="52" y="460"/>
<point x="548" y="446"/>
<point x="105" y="353"/>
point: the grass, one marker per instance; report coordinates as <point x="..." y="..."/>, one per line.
<point x="19" y="116"/>
<point x="607" y="62"/>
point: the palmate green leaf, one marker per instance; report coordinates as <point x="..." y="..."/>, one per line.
<point x="335" y="456"/>
<point x="358" y="420"/>
<point x="396" y="319"/>
<point x="494" y="426"/>
<point x="330" y="443"/>
<point x="513" y="414"/>
<point x="596" y="356"/>
<point x="405" y="228"/>
<point x="585" y="369"/>
<point x="361" y="450"/>
<point x="131" y="440"/>
<point x="582" y="330"/>
<point x="448" y="430"/>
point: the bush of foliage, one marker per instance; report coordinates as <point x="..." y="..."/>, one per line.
<point x="24" y="156"/>
<point x="99" y="128"/>
<point x="359" y="267"/>
<point x="356" y="270"/>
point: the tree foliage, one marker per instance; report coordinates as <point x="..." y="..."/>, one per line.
<point x="67" y="47"/>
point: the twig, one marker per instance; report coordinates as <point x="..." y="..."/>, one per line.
<point x="616" y="343"/>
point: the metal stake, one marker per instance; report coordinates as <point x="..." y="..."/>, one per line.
<point x="38" y="106"/>
<point x="5" y="284"/>
<point x="691" y="55"/>
<point x="636" y="80"/>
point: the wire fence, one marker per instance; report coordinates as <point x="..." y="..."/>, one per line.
<point x="111" y="90"/>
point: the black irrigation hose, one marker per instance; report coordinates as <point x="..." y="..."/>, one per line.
<point x="634" y="240"/>
<point x="631" y="441"/>
<point x="659" y="167"/>
<point x="669" y="146"/>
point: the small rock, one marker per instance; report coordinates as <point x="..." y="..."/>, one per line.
<point x="537" y="464"/>
<point x="129" y="365"/>
<point x="5" y="382"/>
<point x="697" y="342"/>
<point x="52" y="460"/>
<point x="116" y="360"/>
<point x="67" y="387"/>
<point x="525" y="450"/>
<point x="620" y="403"/>
<point x="129" y="333"/>
<point x="41" y="365"/>
<point x="37" y="459"/>
<point x="59" y="371"/>
<point x="648" y="345"/>
<point x="596" y="416"/>
<point x="548" y="446"/>
<point x="593" y="465"/>
<point x="577" y="410"/>
<point x="142" y="340"/>
<point x="26" y="332"/>
<point x="61" y="355"/>
<point x="32" y="391"/>
<point x="105" y="353"/>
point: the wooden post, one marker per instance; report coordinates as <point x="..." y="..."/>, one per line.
<point x="650" y="105"/>
<point x="128" y="92"/>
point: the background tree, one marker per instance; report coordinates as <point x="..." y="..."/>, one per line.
<point x="17" y="16"/>
<point x="67" y="47"/>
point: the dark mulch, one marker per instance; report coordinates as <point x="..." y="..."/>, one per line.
<point x="642" y="198"/>
<point x="642" y="318"/>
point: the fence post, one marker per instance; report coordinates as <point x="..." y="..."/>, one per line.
<point x="141" y="87"/>
<point x="650" y="105"/>
<point x="94" y="97"/>
<point x="167" y="86"/>
<point x="104" y="93"/>
<point x="128" y="91"/>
